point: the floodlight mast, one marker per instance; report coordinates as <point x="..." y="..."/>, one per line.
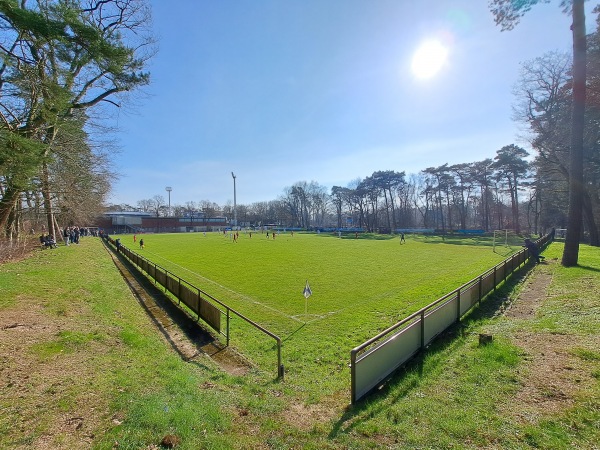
<point x="234" y="202"/>
<point x="169" y="189"/>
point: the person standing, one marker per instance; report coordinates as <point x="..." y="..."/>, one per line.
<point x="141" y="244"/>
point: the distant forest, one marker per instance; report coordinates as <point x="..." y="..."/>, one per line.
<point x="499" y="193"/>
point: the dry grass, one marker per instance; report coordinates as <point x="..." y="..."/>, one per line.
<point x="17" y="249"/>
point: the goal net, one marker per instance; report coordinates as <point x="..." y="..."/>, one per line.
<point x="506" y="241"/>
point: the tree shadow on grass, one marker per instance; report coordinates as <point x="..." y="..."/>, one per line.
<point x="590" y="268"/>
<point x="411" y="376"/>
<point x="361" y="236"/>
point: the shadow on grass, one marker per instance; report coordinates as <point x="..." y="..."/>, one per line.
<point x="405" y="380"/>
<point x="361" y="236"/>
<point x="161" y="309"/>
<point x="292" y="333"/>
<point x="590" y="268"/>
<point x="165" y="312"/>
<point x="480" y="241"/>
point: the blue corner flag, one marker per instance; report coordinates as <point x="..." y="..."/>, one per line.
<point x="307" y="292"/>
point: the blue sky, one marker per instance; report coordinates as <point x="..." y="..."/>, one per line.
<point x="280" y="91"/>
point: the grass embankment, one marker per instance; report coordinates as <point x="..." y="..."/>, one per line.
<point x="84" y="367"/>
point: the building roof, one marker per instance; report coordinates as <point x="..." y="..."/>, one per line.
<point x="128" y="213"/>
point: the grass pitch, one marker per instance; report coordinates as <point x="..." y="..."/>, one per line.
<point x="359" y="287"/>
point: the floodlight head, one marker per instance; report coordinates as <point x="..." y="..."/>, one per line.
<point x="233" y="176"/>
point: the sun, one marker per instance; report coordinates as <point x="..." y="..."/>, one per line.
<point x="428" y="59"/>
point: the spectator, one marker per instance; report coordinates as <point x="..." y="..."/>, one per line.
<point x="534" y="252"/>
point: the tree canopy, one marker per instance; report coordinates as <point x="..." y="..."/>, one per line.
<point x="61" y="59"/>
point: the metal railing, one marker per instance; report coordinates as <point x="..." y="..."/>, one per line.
<point x="374" y="360"/>
<point x="204" y="305"/>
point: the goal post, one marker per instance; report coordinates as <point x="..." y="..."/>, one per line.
<point x="506" y="239"/>
<point x="560" y="234"/>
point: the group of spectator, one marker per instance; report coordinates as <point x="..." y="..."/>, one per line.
<point x="70" y="235"/>
<point x="47" y="241"/>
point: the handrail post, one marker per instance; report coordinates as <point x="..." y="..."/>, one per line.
<point x="228" y="319"/>
<point x="458" y="304"/>
<point x="280" y="368"/>
<point x="353" y="376"/>
<point x="422" y="329"/>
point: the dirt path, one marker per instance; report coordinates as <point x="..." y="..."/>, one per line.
<point x="554" y="375"/>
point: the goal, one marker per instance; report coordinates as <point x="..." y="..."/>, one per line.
<point x="506" y="241"/>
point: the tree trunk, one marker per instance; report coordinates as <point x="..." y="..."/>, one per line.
<point x="394" y="223"/>
<point x="7" y="206"/>
<point x="387" y="209"/>
<point x="47" y="200"/>
<point x="588" y="214"/>
<point x="516" y="221"/>
<point x="574" y="221"/>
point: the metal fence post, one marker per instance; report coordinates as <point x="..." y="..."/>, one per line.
<point x="422" y="330"/>
<point x="228" y="319"/>
<point x="280" y="368"/>
<point x="352" y="376"/>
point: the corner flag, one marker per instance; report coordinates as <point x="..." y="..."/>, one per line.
<point x="307" y="292"/>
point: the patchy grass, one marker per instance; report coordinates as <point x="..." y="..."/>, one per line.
<point x="83" y="366"/>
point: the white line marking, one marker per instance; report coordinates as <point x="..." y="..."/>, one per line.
<point x="231" y="291"/>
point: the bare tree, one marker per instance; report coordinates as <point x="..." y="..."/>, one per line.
<point x="507" y="14"/>
<point x="158" y="204"/>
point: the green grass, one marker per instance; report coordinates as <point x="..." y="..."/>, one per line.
<point x="360" y="287"/>
<point x="65" y="342"/>
<point x="265" y="278"/>
<point x="98" y="357"/>
<point x="86" y="350"/>
<point x="461" y="395"/>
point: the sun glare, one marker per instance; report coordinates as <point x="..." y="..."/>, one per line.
<point x="429" y="59"/>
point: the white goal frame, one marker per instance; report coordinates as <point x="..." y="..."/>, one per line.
<point x="499" y="233"/>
